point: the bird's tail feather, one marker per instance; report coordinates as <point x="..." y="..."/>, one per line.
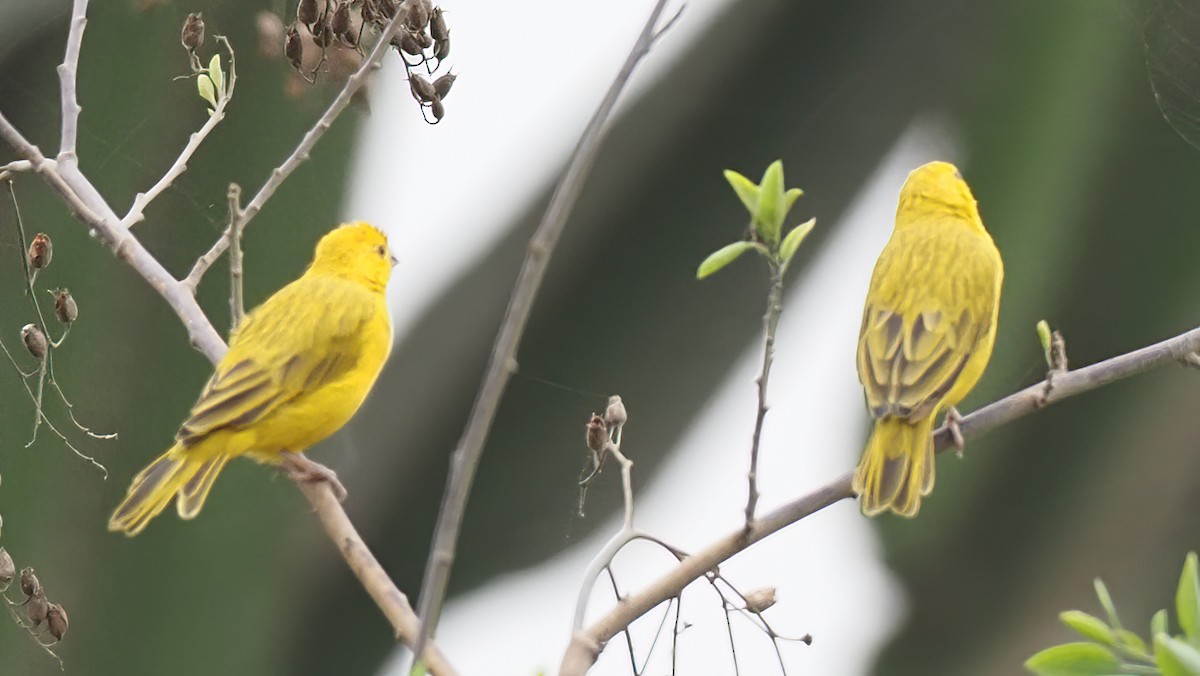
<point x="897" y="467"/>
<point x="153" y="488"/>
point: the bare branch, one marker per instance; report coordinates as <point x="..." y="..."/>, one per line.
<point x="585" y="646"/>
<point x="502" y="361"/>
<point x="66" y="79"/>
<point x="770" y="324"/>
<point x="237" y="302"/>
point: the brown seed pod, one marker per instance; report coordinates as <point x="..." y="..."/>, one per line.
<point x="423" y="40"/>
<point x="8" y="570"/>
<point x="293" y="48"/>
<point x="307" y="13"/>
<point x="443" y="84"/>
<point x="438" y="30"/>
<point x="387" y="8"/>
<point x="341" y="24"/>
<point x="29" y="582"/>
<point x="37" y="609"/>
<point x="597" y="433"/>
<point x="323" y="33"/>
<point x="56" y="621"/>
<point x="615" y="413"/>
<point x="441" y="49"/>
<point x="760" y="599"/>
<point x="438" y="109"/>
<point x="65" y="307"/>
<point x="35" y="341"/>
<point x="418" y="15"/>
<point x="421" y="88"/>
<point x="41" y="250"/>
<point x="192" y="35"/>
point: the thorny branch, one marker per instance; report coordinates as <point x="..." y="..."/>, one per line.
<point x="86" y="203"/>
<point x="503" y="359"/>
<point x="585" y="646"/>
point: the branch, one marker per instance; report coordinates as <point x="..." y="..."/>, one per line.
<point x="67" y="71"/>
<point x="770" y="324"/>
<point x="301" y="152"/>
<point x="585" y="646"/>
<point x="502" y="361"/>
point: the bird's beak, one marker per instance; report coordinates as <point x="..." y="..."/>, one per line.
<point x="394" y="259"/>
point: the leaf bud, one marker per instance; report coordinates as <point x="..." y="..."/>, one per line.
<point x="192" y="35"/>
<point x="40" y="251"/>
<point x="443" y="84"/>
<point x="35" y="341"/>
<point x="56" y="620"/>
<point x="65" y="307"/>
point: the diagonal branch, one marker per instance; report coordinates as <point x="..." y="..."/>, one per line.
<point x="586" y="645"/>
<point x="502" y="362"/>
<point x="67" y="71"/>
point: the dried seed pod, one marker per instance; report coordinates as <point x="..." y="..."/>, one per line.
<point x="422" y="39"/>
<point x="369" y="12"/>
<point x="65" y="307"/>
<point x="8" y="570"/>
<point x="35" y="341"/>
<point x="615" y="413"/>
<point x="56" y="621"/>
<point x="421" y="88"/>
<point x="387" y="8"/>
<point x="441" y="49"/>
<point x="597" y="433"/>
<point x="293" y="48"/>
<point x="438" y="30"/>
<point x="760" y="599"/>
<point x="307" y="13"/>
<point x="405" y="42"/>
<point x="37" y="609"/>
<point x="418" y="15"/>
<point x="29" y="582"/>
<point x="438" y="109"/>
<point x="41" y="250"/>
<point x="443" y="84"/>
<point x="192" y="35"/>
<point x="340" y="23"/>
<point x="322" y="33"/>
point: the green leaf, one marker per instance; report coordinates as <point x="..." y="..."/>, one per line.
<point x="1174" y="657"/>
<point x="1074" y="659"/>
<point x="722" y="257"/>
<point x="205" y="85"/>
<point x="1158" y="623"/>
<point x="1106" y="603"/>
<point x="794" y="238"/>
<point x="1187" y="600"/>
<point x="746" y="190"/>
<point x="789" y="198"/>
<point x="1043" y="331"/>
<point x="217" y="75"/>
<point x="1088" y="626"/>
<point x="1132" y="642"/>
<point x="769" y="217"/>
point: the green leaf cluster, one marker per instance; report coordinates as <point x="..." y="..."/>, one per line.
<point x="1111" y="650"/>
<point x="768" y="203"/>
<point x="211" y="82"/>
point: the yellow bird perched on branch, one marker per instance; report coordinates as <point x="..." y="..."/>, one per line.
<point x="297" y="370"/>
<point x="927" y="333"/>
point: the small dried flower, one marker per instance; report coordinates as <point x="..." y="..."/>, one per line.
<point x="8" y="570"/>
<point x="421" y="88"/>
<point x="29" y="582"/>
<point x="322" y="33"/>
<point x="443" y="84"/>
<point x="56" y="620"/>
<point x="418" y="15"/>
<point x="41" y="250"/>
<point x="341" y="24"/>
<point x="192" y="35"/>
<point x="406" y="43"/>
<point x="65" y="307"/>
<point x="438" y="109"/>
<point x="615" y="414"/>
<point x="760" y="599"/>
<point x="306" y="12"/>
<point x="37" y="609"/>
<point x="293" y="48"/>
<point x="35" y="341"/>
<point x="441" y="49"/>
<point x="438" y="30"/>
<point x="597" y="433"/>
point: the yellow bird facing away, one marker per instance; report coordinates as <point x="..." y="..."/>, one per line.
<point x="297" y="370"/>
<point x="927" y="333"/>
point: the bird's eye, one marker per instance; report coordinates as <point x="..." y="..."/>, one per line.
<point x="381" y="250"/>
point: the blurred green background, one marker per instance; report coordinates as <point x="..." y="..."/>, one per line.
<point x="1089" y="193"/>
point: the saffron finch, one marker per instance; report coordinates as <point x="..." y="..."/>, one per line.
<point x="927" y="333"/>
<point x="297" y="370"/>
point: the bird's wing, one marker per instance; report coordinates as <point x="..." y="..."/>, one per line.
<point x="304" y="336"/>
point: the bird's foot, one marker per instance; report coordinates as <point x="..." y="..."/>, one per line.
<point x="299" y="468"/>
<point x="953" y="418"/>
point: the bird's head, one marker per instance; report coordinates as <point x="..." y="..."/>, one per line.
<point x="936" y="188"/>
<point x="356" y="251"/>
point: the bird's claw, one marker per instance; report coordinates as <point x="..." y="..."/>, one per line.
<point x="953" y="418"/>
<point x="299" y="468"/>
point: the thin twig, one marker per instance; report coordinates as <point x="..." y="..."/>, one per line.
<point x="66" y="78"/>
<point x="142" y="199"/>
<point x="770" y="324"/>
<point x="585" y="646"/>
<point x="657" y="634"/>
<point x="31" y="630"/>
<point x="237" y="302"/>
<point x="729" y="628"/>
<point x="301" y="152"/>
<point x="628" y="637"/>
<point x="502" y="361"/>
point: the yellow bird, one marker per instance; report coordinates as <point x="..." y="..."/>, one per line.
<point x="297" y="369"/>
<point x="927" y="333"/>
